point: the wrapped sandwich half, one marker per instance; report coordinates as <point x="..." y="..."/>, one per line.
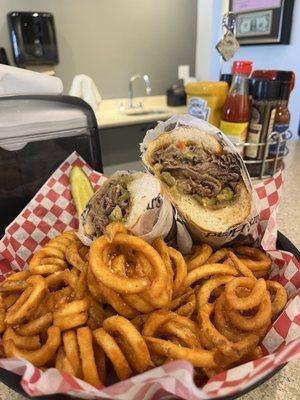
<point x="202" y="175"/>
<point x="133" y="198"/>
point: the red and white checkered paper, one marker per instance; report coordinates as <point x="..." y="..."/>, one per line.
<point x="52" y="211"/>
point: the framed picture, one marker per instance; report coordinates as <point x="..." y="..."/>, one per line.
<point x="262" y="21"/>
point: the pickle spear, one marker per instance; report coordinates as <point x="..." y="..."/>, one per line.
<point x="81" y="188"/>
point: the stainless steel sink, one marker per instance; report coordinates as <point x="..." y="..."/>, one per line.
<point x="133" y="107"/>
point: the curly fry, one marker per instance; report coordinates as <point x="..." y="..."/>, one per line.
<point x="159" y="318"/>
<point x="36" y="326"/>
<point x="13" y="285"/>
<point x="134" y="348"/>
<point x="188" y="308"/>
<point x="112" y="229"/>
<point x="178" y="301"/>
<point x="73" y="255"/>
<point x="181" y="332"/>
<point x="117" y="302"/>
<point x="40" y="356"/>
<point x="217" y="256"/>
<point x="113" y="352"/>
<point x="89" y="368"/>
<point x="180" y="271"/>
<point x="239" y="264"/>
<point x="210" y="269"/>
<point x="104" y="274"/>
<point x="201" y="256"/>
<point x="62" y="363"/>
<point x="253" y="299"/>
<point x="118" y="265"/>
<point x="198" y="357"/>
<point x="60" y="277"/>
<point x="163" y="251"/>
<point x="278" y="297"/>
<point x="72" y="314"/>
<point x="258" y="261"/>
<point x="28" y="343"/>
<point x="95" y="313"/>
<point x="2" y="315"/>
<point x="28" y="301"/>
<point x="232" y="350"/>
<point x="93" y="287"/>
<point x="255" y="322"/>
<point x="205" y="291"/>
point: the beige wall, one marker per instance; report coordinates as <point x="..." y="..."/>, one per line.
<point x="110" y="40"/>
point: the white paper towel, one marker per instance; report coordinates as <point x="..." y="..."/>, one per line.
<point x="18" y="81"/>
<point x="84" y="87"/>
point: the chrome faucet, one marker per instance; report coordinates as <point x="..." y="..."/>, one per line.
<point x="146" y="79"/>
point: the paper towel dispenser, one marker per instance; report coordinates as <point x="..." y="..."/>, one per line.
<point x="33" y="38"/>
<point x="45" y="132"/>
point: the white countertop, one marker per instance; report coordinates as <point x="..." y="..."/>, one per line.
<point x="109" y="114"/>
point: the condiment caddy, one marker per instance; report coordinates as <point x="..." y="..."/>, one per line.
<point x="253" y="114"/>
<point x="270" y="162"/>
<point x="265" y="146"/>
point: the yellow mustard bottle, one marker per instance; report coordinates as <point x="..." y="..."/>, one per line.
<point x="206" y="99"/>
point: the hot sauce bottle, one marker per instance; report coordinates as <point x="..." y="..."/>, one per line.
<point x="264" y="101"/>
<point x="282" y="118"/>
<point x="236" y="110"/>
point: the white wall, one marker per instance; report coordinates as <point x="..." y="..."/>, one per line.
<point x="286" y="57"/>
<point x="209" y="30"/>
<point x="203" y="41"/>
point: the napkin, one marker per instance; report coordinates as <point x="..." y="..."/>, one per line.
<point x="84" y="87"/>
<point x="18" y="81"/>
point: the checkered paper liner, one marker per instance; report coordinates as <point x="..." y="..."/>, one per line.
<point x="52" y="211"/>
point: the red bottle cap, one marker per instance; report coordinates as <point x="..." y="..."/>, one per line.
<point x="242" y="67"/>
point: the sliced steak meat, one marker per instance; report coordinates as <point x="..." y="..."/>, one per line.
<point x="209" y="186"/>
<point x="203" y="184"/>
<point x="200" y="155"/>
<point x="110" y="197"/>
<point x="183" y="170"/>
<point x="198" y="171"/>
<point x="206" y="186"/>
<point x="106" y="203"/>
<point x="99" y="223"/>
<point x="167" y="156"/>
<point x="228" y="177"/>
<point x="227" y="162"/>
